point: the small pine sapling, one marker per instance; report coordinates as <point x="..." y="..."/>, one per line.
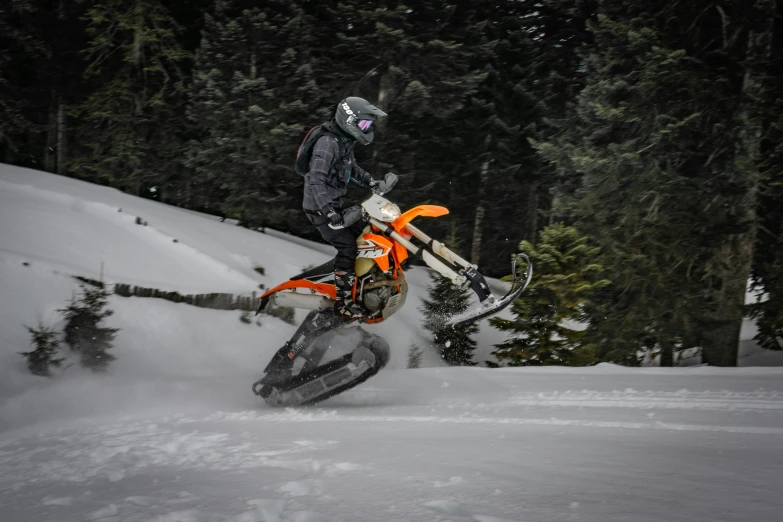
<point x="543" y="332"/>
<point x="46" y="344"/>
<point x="82" y="332"/>
<point x="414" y="356"/>
<point x="445" y="301"/>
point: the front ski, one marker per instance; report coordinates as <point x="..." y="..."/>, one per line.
<point x="492" y="306"/>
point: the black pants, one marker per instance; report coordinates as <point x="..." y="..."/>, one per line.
<point x="344" y="240"/>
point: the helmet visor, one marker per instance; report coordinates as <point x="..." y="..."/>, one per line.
<point x="365" y="125"/>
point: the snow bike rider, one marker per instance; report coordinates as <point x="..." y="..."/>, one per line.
<point x="332" y="167"/>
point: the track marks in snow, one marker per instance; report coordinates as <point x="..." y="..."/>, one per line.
<point x="267" y="510"/>
<point x="118" y="452"/>
<point x="105" y="512"/>
<point x="134" y="451"/>
<point x="57" y="501"/>
<point x="188" y="515"/>
<point x="452" y="508"/>
<point x="485" y="518"/>
<point x="349" y="466"/>
<point x="447" y="507"/>
<point x="453" y="481"/>
<point x="682" y="400"/>
<point x="140" y="501"/>
<point x="301" y="416"/>
<point x="300" y="488"/>
<point x="312" y="516"/>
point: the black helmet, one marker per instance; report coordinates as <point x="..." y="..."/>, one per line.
<point x="355" y="116"/>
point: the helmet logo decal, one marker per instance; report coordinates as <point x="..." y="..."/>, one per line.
<point x="347" y="109"/>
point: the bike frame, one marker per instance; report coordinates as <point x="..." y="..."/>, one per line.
<point x="391" y="235"/>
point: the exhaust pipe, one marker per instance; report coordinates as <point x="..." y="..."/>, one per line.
<point x="295" y="300"/>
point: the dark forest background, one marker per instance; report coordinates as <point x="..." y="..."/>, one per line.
<point x="655" y="128"/>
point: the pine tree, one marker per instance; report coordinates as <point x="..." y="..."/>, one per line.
<point x="446" y="300"/>
<point x="767" y="276"/>
<point x="82" y="332"/>
<point x="414" y="356"/>
<point x="730" y="265"/>
<point x="543" y="331"/>
<point x="658" y="181"/>
<point x="25" y="58"/>
<point x="420" y="63"/>
<point x="254" y="97"/>
<point x="496" y="188"/>
<point x="40" y="75"/>
<point x="46" y="344"/>
<point x="131" y="122"/>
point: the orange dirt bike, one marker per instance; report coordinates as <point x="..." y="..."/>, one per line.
<point x="296" y="375"/>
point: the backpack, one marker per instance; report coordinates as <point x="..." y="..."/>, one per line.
<point x="305" y="152"/>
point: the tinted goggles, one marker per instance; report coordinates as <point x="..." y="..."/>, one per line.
<point x="365" y="125"/>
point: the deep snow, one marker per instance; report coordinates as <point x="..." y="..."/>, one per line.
<point x="173" y="434"/>
<point x="598" y="444"/>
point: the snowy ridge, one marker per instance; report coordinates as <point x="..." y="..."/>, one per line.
<point x="52" y="228"/>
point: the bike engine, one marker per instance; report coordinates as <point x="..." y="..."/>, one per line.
<point x="375" y="299"/>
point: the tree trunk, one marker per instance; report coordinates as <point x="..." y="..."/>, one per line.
<point x="383" y="94"/>
<point x="667" y="354"/>
<point x="478" y="223"/>
<point x="384" y="97"/>
<point x="530" y="226"/>
<point x="721" y="341"/>
<point x="62" y="148"/>
<point x="138" y="57"/>
<point x="50" y="154"/>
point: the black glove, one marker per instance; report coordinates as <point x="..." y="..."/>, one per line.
<point x="335" y="218"/>
<point x="373" y="183"/>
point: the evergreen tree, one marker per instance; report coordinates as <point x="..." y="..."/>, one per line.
<point x="414" y="356"/>
<point x="497" y="186"/>
<point x="82" y="332"/>
<point x="23" y="55"/>
<point x="13" y="44"/>
<point x="556" y="79"/>
<point x="46" y="347"/>
<point x="543" y="331"/>
<point x="446" y="300"/>
<point x="767" y="274"/>
<point x="254" y="97"/>
<point x="40" y="70"/>
<point x="660" y="184"/>
<point x="133" y="118"/>
<point x="768" y="269"/>
<point x="419" y="63"/>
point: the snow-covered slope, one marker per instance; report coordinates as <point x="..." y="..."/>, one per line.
<point x="52" y="228"/>
<point x="173" y="434"/>
<point x="601" y="444"/>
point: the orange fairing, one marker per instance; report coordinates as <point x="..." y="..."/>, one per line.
<point x="420" y="211"/>
<point x="322" y="288"/>
<point x="378" y="251"/>
<point x="378" y="240"/>
<point x="400" y="253"/>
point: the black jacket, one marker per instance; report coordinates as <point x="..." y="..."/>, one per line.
<point x="332" y="167"/>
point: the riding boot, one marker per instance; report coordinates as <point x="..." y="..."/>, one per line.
<point x="343" y="303"/>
